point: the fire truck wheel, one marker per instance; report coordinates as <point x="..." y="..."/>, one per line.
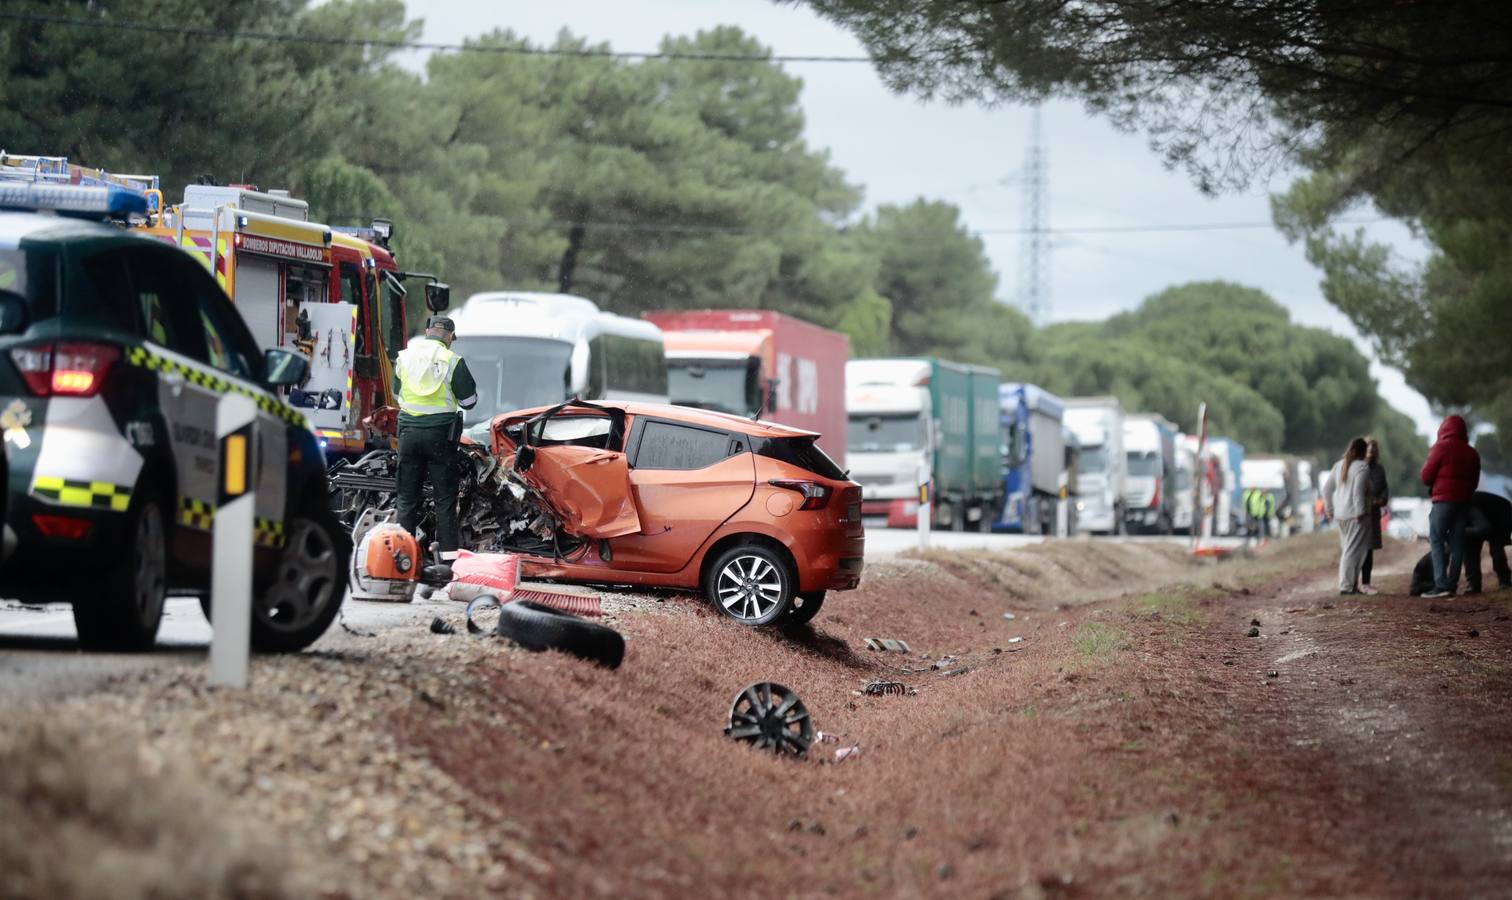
<point x="125" y="615"/>
<point x="537" y="627"/>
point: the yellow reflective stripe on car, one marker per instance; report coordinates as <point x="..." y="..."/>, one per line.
<point x="267" y="533"/>
<point x="90" y="494"/>
<point x="146" y="359"/>
<point x="196" y="513"/>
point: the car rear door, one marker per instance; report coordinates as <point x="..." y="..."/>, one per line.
<point x="687" y="481"/>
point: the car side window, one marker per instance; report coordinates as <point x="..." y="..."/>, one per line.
<point x="114" y="299"/>
<point x="162" y="302"/>
<point x="664" y="445"/>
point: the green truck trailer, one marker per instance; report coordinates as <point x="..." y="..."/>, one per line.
<point x="921" y="415"/>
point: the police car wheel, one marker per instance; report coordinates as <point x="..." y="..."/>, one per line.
<point x="125" y="615"/>
<point x="309" y="581"/>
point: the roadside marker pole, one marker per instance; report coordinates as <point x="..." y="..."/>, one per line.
<point x="231" y="562"/>
<point x="926" y="506"/>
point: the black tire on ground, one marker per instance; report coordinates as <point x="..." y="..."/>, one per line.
<point x="537" y="627"/>
<point x="803" y="609"/>
<point x="751" y="584"/>
<point x="302" y="596"/>
<point x="124" y="612"/>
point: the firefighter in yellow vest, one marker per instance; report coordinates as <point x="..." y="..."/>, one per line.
<point x="433" y="386"/>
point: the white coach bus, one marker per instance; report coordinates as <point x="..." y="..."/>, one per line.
<point x="529" y="349"/>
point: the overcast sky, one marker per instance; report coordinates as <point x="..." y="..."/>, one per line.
<point x="898" y="148"/>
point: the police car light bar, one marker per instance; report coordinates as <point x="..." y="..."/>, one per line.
<point x="101" y="201"/>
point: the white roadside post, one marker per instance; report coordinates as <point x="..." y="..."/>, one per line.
<point x="1199" y="525"/>
<point x="926" y="504"/>
<point x="231" y="562"/>
<point x="1062" y="512"/>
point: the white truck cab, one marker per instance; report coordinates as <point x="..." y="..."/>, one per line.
<point x="890" y="442"/>
<point x="1100" y="482"/>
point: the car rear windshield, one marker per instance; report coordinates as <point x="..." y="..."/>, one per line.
<point x="801" y="452"/>
<point x="33" y="275"/>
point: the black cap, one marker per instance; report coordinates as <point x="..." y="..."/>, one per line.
<point x="442" y="322"/>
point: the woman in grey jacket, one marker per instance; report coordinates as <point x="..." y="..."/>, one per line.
<point x="1346" y="499"/>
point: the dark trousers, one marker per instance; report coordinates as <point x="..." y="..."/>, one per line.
<point x="429" y="454"/>
<point x="1473" y="561"/>
<point x="1367" y="565"/>
<point x="1446" y="541"/>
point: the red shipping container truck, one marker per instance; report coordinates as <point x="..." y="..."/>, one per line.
<point x="743" y="360"/>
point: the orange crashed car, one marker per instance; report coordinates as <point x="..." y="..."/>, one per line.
<point x="752" y="514"/>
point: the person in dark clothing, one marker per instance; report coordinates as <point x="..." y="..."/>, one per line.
<point x="1378" y="495"/>
<point x="433" y="386"/>
<point x="1451" y="473"/>
<point x="1489" y="523"/>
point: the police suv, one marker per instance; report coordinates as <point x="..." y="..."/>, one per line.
<point x="115" y="350"/>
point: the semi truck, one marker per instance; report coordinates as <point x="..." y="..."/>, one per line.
<point x="1228" y="508"/>
<point x="1150" y="474"/>
<point x="1100" y="481"/>
<point x="925" y="422"/>
<point x="754" y="362"/>
<point x="1034" y="458"/>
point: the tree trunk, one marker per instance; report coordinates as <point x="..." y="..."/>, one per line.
<point x="569" y="258"/>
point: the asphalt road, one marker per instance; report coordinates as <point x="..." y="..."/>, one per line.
<point x="39" y="656"/>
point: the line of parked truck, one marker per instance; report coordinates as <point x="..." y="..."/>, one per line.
<point x="985" y="454"/>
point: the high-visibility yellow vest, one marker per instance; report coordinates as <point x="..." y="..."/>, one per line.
<point x="425" y="370"/>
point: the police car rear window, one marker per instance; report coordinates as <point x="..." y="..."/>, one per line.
<point x="33" y="275"/>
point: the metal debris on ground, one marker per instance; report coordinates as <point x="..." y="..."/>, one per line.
<point x="1253" y="632"/>
<point x="480" y="605"/>
<point x="771" y="716"/>
<point x="951" y="673"/>
<point x="844" y="753"/>
<point x="439" y="625"/>
<point x="1014" y="640"/>
<point x="943" y="663"/>
<point x="889" y="645"/>
<point x="878" y="688"/>
<point x="1009" y="616"/>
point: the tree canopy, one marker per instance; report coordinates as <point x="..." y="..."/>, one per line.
<point x="662" y="183"/>
<point x="1403" y="105"/>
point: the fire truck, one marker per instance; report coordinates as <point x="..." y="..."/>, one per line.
<point x="335" y="295"/>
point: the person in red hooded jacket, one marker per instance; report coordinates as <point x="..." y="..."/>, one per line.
<point x="1451" y="472"/>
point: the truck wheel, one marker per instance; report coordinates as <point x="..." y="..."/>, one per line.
<point x="124" y="613"/>
<point x="751" y="584"/>
<point x="803" y="609"/>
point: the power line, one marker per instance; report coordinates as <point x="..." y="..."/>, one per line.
<point x="695" y="228"/>
<point x="228" y="34"/>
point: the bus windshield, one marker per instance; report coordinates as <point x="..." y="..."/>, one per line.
<point x="515" y="373"/>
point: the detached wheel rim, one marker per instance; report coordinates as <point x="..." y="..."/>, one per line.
<point x="749" y="586"/>
<point x="150" y="576"/>
<point x="306" y="580"/>
<point x="770" y="716"/>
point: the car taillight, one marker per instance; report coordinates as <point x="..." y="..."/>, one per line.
<point x="66" y="527"/>
<point x="815" y="495"/>
<point x="65" y="369"/>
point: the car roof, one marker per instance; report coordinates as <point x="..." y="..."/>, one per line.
<point x="706" y="418"/>
<point x="16" y="226"/>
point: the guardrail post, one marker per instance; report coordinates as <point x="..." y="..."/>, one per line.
<point x="232" y="542"/>
<point x="926" y="505"/>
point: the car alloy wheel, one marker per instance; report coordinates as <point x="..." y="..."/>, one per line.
<point x="770" y="716"/>
<point x="307" y="581"/>
<point x="749" y="587"/>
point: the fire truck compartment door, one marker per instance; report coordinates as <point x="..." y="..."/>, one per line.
<point x="259" y="298"/>
<point x="330" y="384"/>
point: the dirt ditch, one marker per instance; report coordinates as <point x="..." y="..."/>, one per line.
<point x="1117" y="733"/>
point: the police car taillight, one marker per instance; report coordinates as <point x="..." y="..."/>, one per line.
<point x="65" y="369"/>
